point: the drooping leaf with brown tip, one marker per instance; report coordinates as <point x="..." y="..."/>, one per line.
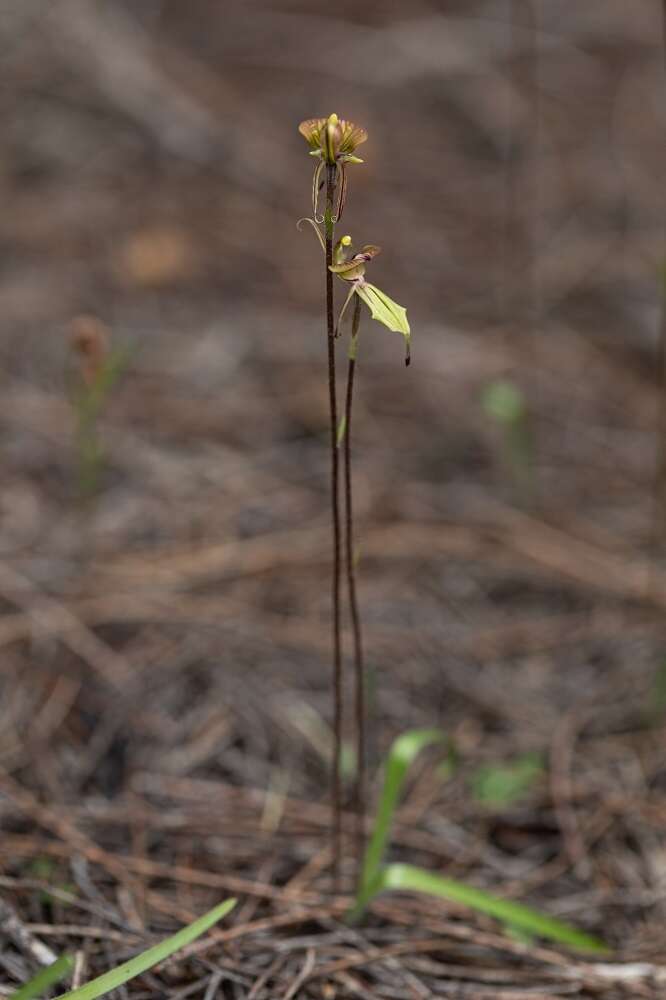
<point x="386" y="311"/>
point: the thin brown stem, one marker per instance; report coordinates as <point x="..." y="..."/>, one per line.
<point x="335" y="517"/>
<point x="359" y="670"/>
<point x="659" y="501"/>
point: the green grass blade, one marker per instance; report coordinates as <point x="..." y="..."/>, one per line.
<point x="44" y="979"/>
<point x="401" y="755"/>
<point x="116" y="977"/>
<point x="412" y="879"/>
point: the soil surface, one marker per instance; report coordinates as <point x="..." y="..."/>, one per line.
<point x="165" y="666"/>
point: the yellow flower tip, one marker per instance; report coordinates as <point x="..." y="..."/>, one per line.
<point x="346" y="241"/>
<point x="333" y="119"/>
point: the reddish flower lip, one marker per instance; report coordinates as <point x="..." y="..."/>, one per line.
<point x="353" y="269"/>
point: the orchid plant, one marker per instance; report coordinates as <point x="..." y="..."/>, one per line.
<point x="333" y="142"/>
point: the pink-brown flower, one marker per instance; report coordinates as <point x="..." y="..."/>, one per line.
<point x="333" y="141"/>
<point x="333" y="138"/>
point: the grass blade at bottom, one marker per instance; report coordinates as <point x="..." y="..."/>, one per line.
<point x="410" y="878"/>
<point x="141" y="963"/>
<point x="45" y="978"/>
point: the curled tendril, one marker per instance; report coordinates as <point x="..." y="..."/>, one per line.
<point x="316" y="188"/>
<point x="316" y="229"/>
<point x="342" y="191"/>
<point x="340" y="181"/>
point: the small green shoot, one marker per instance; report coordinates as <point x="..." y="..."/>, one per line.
<point x="99" y="368"/>
<point x="44" y="980"/>
<point x="499" y="785"/>
<point x="376" y="878"/>
<point x="404" y="751"/>
<point x="507" y="407"/>
<point x="147" y="959"/>
<point x="88" y="405"/>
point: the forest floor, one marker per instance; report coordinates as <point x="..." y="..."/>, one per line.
<point x="165" y="694"/>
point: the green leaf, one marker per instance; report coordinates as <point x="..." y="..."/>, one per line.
<point x="376" y="879"/>
<point x="44" y="979"/>
<point x="129" y="970"/>
<point x="501" y="784"/>
<point x="412" y="879"/>
<point x="385" y="310"/>
<point x="402" y="754"/>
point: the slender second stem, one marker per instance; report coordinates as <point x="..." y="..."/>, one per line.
<point x="335" y="517"/>
<point x="359" y="670"/>
<point x="659" y="500"/>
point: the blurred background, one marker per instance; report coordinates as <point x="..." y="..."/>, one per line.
<point x="164" y="556"/>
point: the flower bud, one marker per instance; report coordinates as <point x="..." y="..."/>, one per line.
<point x="339" y="249"/>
